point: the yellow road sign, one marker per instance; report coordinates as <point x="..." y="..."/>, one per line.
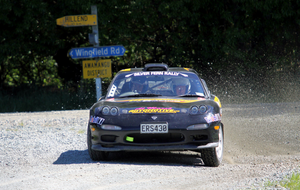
<point x="77" y="20"/>
<point x="96" y="68"/>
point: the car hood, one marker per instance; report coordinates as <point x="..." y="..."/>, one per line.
<point x="160" y="104"/>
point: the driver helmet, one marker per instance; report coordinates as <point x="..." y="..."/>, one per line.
<point x="178" y="82"/>
<point x="139" y="84"/>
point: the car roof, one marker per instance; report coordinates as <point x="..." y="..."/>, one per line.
<point x="158" y="67"/>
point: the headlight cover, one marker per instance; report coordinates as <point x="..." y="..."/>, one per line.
<point x="193" y="110"/>
<point x="114" y="111"/>
<point x="202" y="109"/>
<point x="105" y="110"/>
<point x="110" y="111"/>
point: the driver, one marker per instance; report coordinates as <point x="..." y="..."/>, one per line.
<point x="181" y="86"/>
<point x="139" y="84"/>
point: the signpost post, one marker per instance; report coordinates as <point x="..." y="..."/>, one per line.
<point x="96" y="35"/>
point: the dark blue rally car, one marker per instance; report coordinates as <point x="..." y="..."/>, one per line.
<point x="157" y="108"/>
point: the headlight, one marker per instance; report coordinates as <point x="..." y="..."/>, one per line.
<point x="105" y="110"/>
<point x="114" y="111"/>
<point x="202" y="109"/>
<point x="194" y="110"/>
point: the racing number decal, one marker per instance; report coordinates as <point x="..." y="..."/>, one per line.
<point x="112" y="91"/>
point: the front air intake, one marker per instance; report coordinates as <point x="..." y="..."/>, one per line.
<point x="156" y="67"/>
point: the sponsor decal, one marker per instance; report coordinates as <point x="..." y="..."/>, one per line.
<point x="212" y="118"/>
<point x="110" y="100"/>
<point x="199" y="93"/>
<point x="97" y="120"/>
<point x="156" y="73"/>
<point x="154" y="110"/>
<point x="129" y="75"/>
<point x="184" y="110"/>
<point x="124" y="111"/>
<point x="160" y="100"/>
<point x="218" y="101"/>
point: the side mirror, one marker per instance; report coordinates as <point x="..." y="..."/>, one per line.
<point x="101" y="98"/>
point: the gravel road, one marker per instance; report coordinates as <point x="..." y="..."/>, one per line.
<point x="47" y="150"/>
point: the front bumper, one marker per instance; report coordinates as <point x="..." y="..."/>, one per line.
<point x="175" y="139"/>
<point x="99" y="147"/>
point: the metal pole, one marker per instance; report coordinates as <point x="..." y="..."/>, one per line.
<point x="95" y="32"/>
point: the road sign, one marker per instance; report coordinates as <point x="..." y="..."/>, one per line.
<point x="77" y="20"/>
<point x="93" y="52"/>
<point x="96" y="68"/>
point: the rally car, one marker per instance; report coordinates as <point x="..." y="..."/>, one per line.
<point x="157" y="108"/>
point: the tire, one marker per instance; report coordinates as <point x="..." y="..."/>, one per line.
<point x="95" y="155"/>
<point x="213" y="156"/>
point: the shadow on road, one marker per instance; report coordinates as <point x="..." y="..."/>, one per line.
<point x="136" y="158"/>
<point x="74" y="157"/>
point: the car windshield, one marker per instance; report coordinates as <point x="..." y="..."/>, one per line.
<point x="156" y="83"/>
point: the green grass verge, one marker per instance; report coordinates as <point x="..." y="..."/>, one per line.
<point x="291" y="182"/>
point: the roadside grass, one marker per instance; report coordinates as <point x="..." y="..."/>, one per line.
<point x="291" y="182"/>
<point x="81" y="131"/>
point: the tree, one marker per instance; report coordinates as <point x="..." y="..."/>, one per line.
<point x="210" y="36"/>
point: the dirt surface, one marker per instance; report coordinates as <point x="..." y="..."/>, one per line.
<point x="47" y="150"/>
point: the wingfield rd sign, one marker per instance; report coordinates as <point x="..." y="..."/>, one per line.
<point x="77" y="20"/>
<point x="93" y="52"/>
<point x="96" y="68"/>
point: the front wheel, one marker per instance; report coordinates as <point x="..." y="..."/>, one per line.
<point x="213" y="156"/>
<point x="95" y="155"/>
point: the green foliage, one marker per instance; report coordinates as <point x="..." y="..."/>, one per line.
<point x="291" y="182"/>
<point x="236" y="38"/>
<point x="34" y="98"/>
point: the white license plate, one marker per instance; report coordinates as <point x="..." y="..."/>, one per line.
<point x="154" y="128"/>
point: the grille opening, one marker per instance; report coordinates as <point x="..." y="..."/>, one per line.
<point x="156" y="138"/>
<point x="108" y="138"/>
<point x="200" y="137"/>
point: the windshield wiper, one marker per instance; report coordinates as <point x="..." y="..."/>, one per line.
<point x="141" y="95"/>
<point x="191" y="95"/>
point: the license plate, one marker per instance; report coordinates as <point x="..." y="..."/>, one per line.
<point x="154" y="128"/>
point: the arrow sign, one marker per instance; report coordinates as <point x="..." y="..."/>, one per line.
<point x="93" y="52"/>
<point x="77" y="20"/>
